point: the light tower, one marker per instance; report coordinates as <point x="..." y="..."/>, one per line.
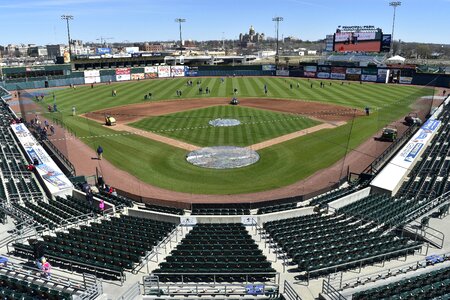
<point x="179" y="20"/>
<point x="278" y="20"/>
<point x="67" y="18"/>
<point x="394" y="4"/>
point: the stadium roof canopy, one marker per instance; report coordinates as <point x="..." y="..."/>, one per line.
<point x="396" y="59"/>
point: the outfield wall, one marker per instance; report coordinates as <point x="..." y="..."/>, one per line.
<point x="63" y="75"/>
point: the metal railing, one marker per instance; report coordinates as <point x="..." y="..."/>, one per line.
<point x="274" y="277"/>
<point x="428" y="233"/>
<point x="289" y="292"/>
<point x="66" y="161"/>
<point x="94" y="287"/>
<point x="152" y="286"/>
<point x="30" y="274"/>
<point x="71" y="263"/>
<point x="358" y="263"/>
<point x="381" y="275"/>
<point x="155" y="251"/>
<point x="331" y="292"/>
<point x="270" y="244"/>
<point x="427" y="207"/>
<point x="131" y="293"/>
<point x="383" y="157"/>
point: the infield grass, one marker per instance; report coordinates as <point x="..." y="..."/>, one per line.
<point x="256" y="125"/>
<point x="280" y="165"/>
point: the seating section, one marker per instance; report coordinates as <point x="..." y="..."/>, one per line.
<point x="116" y="200"/>
<point x="276" y="207"/>
<point x="14" y="288"/>
<point x="382" y="208"/>
<point x="164" y="209"/>
<point x="19" y="281"/>
<point x="220" y="211"/>
<point x="315" y="242"/>
<point x="117" y="244"/>
<point x="430" y="176"/>
<point x="216" y="248"/>
<point x="331" y="196"/>
<point x="430" y="285"/>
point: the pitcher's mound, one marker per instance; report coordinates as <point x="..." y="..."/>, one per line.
<point x="223" y="157"/>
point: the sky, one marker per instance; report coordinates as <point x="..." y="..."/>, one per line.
<point x="39" y="21"/>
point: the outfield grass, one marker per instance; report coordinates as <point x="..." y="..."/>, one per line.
<point x="256" y="125"/>
<point x="280" y="165"/>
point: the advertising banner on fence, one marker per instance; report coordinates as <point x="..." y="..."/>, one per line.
<point x="269" y="68"/>
<point x="101" y="51"/>
<point x="370" y="71"/>
<point x="123" y="74"/>
<point x="340" y="70"/>
<point x="191" y="71"/>
<point x="177" y="71"/>
<point x="309" y="74"/>
<point x="372" y="78"/>
<point x="92" y="76"/>
<point x="382" y="75"/>
<point x="355" y="77"/>
<point x="137" y="76"/>
<point x="323" y="75"/>
<point x="325" y="69"/>
<point x="353" y="71"/>
<point x="338" y="73"/>
<point x="403" y="161"/>
<point x="310" y="68"/>
<point x="405" y="80"/>
<point x="151" y="72"/>
<point x="163" y="71"/>
<point x="282" y="73"/>
<point x="339" y="76"/>
<point x="52" y="176"/>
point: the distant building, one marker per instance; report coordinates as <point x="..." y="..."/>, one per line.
<point x="250" y="38"/>
<point x="56" y="50"/>
<point x="152" y="47"/>
<point x="37" y="51"/>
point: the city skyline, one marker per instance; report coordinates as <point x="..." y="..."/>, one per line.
<point x="39" y="22"/>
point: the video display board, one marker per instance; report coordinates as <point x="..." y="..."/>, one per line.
<point x="360" y="39"/>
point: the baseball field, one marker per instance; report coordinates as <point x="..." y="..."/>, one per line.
<point x="283" y="119"/>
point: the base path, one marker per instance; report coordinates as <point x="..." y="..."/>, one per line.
<point x="293" y="135"/>
<point x="156" y="137"/>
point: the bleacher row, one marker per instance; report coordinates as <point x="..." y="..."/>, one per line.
<point x="216" y="248"/>
<point x="111" y="245"/>
<point x="429" y="285"/>
<point x="430" y="176"/>
<point x="14" y="288"/>
<point x="316" y="242"/>
<point x="17" y="183"/>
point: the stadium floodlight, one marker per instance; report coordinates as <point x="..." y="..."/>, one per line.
<point x="179" y="20"/>
<point x="67" y="18"/>
<point x="394" y="4"/>
<point x="278" y="20"/>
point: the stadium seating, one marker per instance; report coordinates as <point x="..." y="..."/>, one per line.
<point x="331" y="195"/>
<point x="14" y="288"/>
<point x="116" y="200"/>
<point x="315" y="242"/>
<point x="430" y="285"/>
<point x="117" y="244"/>
<point x="220" y="211"/>
<point x="164" y="209"/>
<point x="216" y="248"/>
<point x="276" y="207"/>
